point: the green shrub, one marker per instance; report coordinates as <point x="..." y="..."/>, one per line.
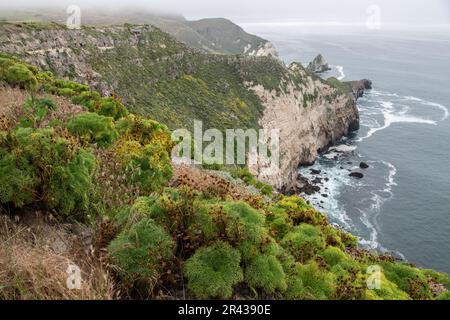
<point x="299" y="211"/>
<point x="94" y="128"/>
<point x="387" y="291"/>
<point x="333" y="256"/>
<point x="63" y="171"/>
<point x="444" y="296"/>
<point x="213" y="271"/>
<point x="145" y="131"/>
<point x="280" y="222"/>
<point x="409" y="279"/>
<point x="70" y="185"/>
<point x="66" y="92"/>
<point x="140" y="210"/>
<point x="304" y="242"/>
<point x="88" y="99"/>
<point x="309" y="282"/>
<point x="150" y="167"/>
<point x="265" y="272"/>
<point x="38" y="109"/>
<point x="245" y="226"/>
<point x="138" y="253"/>
<point x="18" y="179"/>
<point x="112" y="107"/>
<point x="20" y="75"/>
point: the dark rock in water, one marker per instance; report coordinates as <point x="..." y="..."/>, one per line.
<point x="302" y="185"/>
<point x="357" y="175"/>
<point x="327" y="179"/>
<point x="349" y="162"/>
<point x="314" y="171"/>
<point x="317" y="181"/>
<point x="318" y="65"/>
<point x="325" y="195"/>
<point x="363" y="165"/>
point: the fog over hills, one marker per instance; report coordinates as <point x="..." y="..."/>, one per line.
<point x="392" y="12"/>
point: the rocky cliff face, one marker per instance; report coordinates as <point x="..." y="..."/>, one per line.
<point x="310" y="119"/>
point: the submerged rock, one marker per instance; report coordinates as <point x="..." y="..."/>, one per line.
<point x="318" y="65"/>
<point x="363" y="165"/>
<point x="357" y="175"/>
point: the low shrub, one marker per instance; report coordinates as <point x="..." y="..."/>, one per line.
<point x="20" y="75"/>
<point x="111" y="107"/>
<point x="19" y="179"/>
<point x="94" y="128"/>
<point x="387" y="291"/>
<point x="299" y="211"/>
<point x="304" y="242"/>
<point x="245" y="227"/>
<point x="138" y="253"/>
<point x="265" y="272"/>
<point x="333" y="256"/>
<point x="87" y="99"/>
<point x="309" y="282"/>
<point x="213" y="271"/>
<point x="49" y="170"/>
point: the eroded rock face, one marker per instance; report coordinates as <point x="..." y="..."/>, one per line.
<point x="318" y="65"/>
<point x="266" y="50"/>
<point x="359" y="87"/>
<point x="306" y="124"/>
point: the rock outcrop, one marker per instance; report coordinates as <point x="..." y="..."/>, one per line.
<point x="359" y="87"/>
<point x="310" y="119"/>
<point x="264" y="50"/>
<point x="318" y="65"/>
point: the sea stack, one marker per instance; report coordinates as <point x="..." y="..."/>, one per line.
<point x="318" y="65"/>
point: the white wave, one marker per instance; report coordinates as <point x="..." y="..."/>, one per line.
<point x="444" y="109"/>
<point x="378" y="198"/>
<point x="332" y="187"/>
<point x="391" y="115"/>
<point x="431" y="104"/>
<point x="340" y="69"/>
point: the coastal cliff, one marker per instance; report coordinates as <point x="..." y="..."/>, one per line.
<point x="310" y="118"/>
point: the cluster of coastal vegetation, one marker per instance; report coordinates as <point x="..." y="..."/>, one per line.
<point x="85" y="182"/>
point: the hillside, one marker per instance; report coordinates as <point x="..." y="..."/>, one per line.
<point x="157" y="76"/>
<point x="211" y="35"/>
<point x="92" y="184"/>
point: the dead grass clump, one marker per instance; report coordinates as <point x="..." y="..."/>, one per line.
<point x="209" y="184"/>
<point x="31" y="270"/>
<point x="12" y="101"/>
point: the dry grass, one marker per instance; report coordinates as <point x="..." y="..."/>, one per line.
<point x="207" y="182"/>
<point x="34" y="261"/>
<point x="12" y="101"/>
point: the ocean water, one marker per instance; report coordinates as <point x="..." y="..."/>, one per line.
<point x="402" y="204"/>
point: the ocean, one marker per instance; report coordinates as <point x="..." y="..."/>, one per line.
<point x="402" y="204"/>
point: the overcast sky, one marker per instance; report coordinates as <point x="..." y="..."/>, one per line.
<point x="392" y="11"/>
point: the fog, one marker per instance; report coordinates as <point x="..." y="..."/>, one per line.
<point x="344" y="11"/>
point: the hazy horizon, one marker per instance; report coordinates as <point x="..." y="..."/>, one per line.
<point x="411" y="12"/>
